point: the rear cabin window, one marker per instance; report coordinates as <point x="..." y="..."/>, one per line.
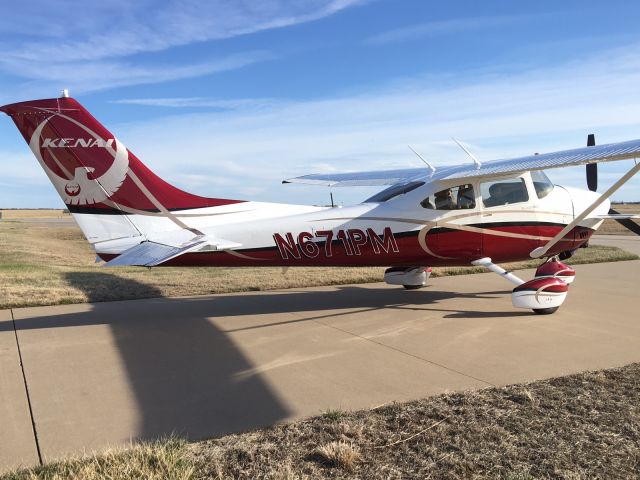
<point x="504" y="192"/>
<point x="454" y="198"/>
<point x="393" y="192"/>
<point x="541" y="183"/>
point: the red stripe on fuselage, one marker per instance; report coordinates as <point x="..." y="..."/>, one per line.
<point x="410" y="253"/>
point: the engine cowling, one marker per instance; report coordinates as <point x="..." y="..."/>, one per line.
<point x="556" y="269"/>
<point x="409" y="277"/>
<point x="542" y="295"/>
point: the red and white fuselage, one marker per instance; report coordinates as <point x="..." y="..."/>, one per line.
<point x="118" y="203"/>
<point x="398" y="232"/>
<point x="451" y="216"/>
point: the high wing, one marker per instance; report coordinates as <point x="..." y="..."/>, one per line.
<point x="356" y="179"/>
<point x="565" y="158"/>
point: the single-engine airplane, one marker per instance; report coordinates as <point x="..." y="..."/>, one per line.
<point x="480" y="213"/>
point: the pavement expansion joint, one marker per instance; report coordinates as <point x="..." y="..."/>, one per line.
<point x="26" y="390"/>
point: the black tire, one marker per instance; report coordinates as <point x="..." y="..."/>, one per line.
<point x="413" y="287"/>
<point x="545" y="311"/>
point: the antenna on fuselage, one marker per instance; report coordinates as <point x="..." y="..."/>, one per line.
<point x="471" y="155"/>
<point x="432" y="169"/>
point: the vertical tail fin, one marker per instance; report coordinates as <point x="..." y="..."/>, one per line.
<point x="92" y="171"/>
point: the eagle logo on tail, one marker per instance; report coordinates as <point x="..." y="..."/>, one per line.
<point x="80" y="187"/>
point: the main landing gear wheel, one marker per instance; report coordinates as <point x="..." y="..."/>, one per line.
<point x="411" y="278"/>
<point x="545" y="311"/>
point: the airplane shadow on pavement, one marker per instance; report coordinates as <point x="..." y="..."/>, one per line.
<point x="186" y="374"/>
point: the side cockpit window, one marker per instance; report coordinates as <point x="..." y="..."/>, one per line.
<point x="454" y="198"/>
<point x="503" y="192"/>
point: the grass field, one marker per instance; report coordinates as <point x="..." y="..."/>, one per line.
<point x="574" y="427"/>
<point x="19" y="214"/>
<point x="50" y="264"/>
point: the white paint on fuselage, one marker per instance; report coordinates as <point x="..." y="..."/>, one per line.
<point x="253" y="224"/>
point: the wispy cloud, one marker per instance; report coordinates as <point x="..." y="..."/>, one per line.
<point x="121" y="29"/>
<point x="81" y="77"/>
<point x="442" y="27"/>
<point x="539" y="110"/>
<point x="102" y="40"/>
<point x="201" y="102"/>
<point x="251" y="147"/>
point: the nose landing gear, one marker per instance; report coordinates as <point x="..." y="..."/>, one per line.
<point x="545" y="293"/>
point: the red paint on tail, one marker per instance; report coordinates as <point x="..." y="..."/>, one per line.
<point x="89" y="167"/>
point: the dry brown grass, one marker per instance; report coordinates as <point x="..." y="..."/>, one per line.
<point x="579" y="426"/>
<point x="16" y="214"/>
<point x="50" y="264"/>
<point x="42" y="264"/>
<point x="611" y="227"/>
<point x="339" y="454"/>
<point x="164" y="459"/>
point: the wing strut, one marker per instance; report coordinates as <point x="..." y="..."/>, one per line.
<point x="540" y="251"/>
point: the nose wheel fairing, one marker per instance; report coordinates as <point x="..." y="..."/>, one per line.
<point x="545" y="293"/>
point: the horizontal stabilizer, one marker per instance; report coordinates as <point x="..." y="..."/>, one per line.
<point x="624" y="219"/>
<point x="151" y="254"/>
<point x="618" y="216"/>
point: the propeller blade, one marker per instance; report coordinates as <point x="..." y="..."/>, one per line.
<point x="626" y="222"/>
<point x="592" y="168"/>
<point x="592" y="176"/>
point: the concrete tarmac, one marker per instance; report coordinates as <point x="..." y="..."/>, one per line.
<point x="630" y="243"/>
<point x="108" y="373"/>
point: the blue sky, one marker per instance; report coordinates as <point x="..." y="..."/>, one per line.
<point x="228" y="97"/>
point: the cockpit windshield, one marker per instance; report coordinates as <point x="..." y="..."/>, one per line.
<point x="541" y="183"/>
<point x="393" y="191"/>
